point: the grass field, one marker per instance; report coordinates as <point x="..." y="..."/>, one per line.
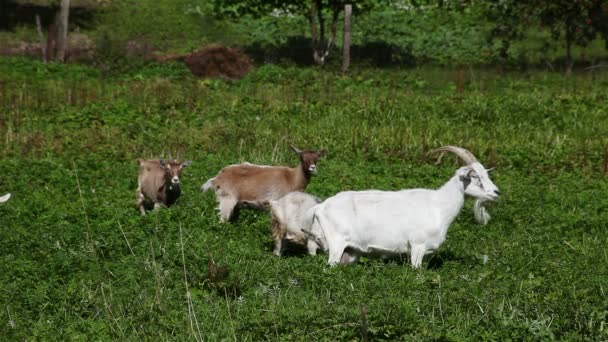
<point x="77" y="262"/>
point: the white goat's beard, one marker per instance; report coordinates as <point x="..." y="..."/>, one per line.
<point x="481" y="214"/>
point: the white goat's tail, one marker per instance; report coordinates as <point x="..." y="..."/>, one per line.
<point x="208" y="185"/>
<point x="5" y="198"/>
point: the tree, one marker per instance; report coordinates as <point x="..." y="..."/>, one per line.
<point x="55" y="13"/>
<point x="507" y="17"/>
<point x="570" y="19"/>
<point x="313" y="10"/>
<point x="576" y="21"/>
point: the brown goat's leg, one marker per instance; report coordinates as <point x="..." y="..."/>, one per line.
<point x="140" y="201"/>
<point x="226" y="207"/>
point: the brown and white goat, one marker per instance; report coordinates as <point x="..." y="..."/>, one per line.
<point x="249" y="185"/>
<point x="4" y="198"/>
<point x="158" y="183"/>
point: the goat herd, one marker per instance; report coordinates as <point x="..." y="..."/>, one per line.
<point x="349" y="224"/>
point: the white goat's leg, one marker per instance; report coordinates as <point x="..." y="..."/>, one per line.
<point x="226" y="207"/>
<point x="348" y="258"/>
<point x="312" y="247"/>
<point x="417" y="253"/>
<point x="336" y="249"/>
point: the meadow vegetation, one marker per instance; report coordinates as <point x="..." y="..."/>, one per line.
<point x="78" y="262"/>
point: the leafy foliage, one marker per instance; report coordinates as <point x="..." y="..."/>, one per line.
<point x="426" y="34"/>
<point x="165" y="24"/>
<point x="577" y="22"/>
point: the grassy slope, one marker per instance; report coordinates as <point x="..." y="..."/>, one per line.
<point x="76" y="261"/>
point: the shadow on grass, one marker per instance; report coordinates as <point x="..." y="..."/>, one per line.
<point x="436" y="260"/>
<point x="290" y="249"/>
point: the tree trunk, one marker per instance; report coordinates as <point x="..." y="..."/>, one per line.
<point x="569" y="59"/>
<point x="348" y="8"/>
<point x="319" y="7"/>
<point x="313" y="29"/>
<point x="334" y="26"/>
<point x="320" y="52"/>
<point x="42" y="41"/>
<point x="51" y="38"/>
<point x="569" y="38"/>
<point x="62" y="29"/>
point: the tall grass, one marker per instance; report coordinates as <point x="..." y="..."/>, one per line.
<point x="78" y="262"/>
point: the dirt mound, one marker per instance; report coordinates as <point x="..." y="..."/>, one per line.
<point x="218" y="61"/>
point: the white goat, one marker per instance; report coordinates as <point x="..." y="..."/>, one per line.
<point x="249" y="185"/>
<point x="4" y="198"/>
<point x="158" y="183"/>
<point x="412" y="221"/>
<point x="290" y="214"/>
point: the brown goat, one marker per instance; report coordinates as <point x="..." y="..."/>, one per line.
<point x="249" y="185"/>
<point x="158" y="183"/>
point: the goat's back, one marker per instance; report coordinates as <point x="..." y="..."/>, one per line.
<point x="251" y="182"/>
<point x="291" y="208"/>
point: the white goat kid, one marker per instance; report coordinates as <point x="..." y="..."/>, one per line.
<point x="412" y="221"/>
<point x="254" y="186"/>
<point x="291" y="215"/>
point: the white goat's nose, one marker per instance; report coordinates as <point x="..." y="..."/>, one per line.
<point x="312" y="168"/>
<point x="175" y="179"/>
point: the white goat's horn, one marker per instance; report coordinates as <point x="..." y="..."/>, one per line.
<point x="465" y="155"/>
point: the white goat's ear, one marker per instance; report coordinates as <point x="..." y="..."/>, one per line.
<point x="295" y="149"/>
<point x="490" y="169"/>
<point x="466" y="178"/>
<point x="186" y="163"/>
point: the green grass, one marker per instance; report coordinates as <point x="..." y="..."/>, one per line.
<point x="77" y="262"/>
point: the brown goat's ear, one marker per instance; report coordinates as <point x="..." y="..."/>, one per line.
<point x="162" y="162"/>
<point x="295" y="149"/>
<point x="186" y="163"/>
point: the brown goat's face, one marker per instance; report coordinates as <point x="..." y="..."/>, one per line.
<point x="173" y="169"/>
<point x="309" y="160"/>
